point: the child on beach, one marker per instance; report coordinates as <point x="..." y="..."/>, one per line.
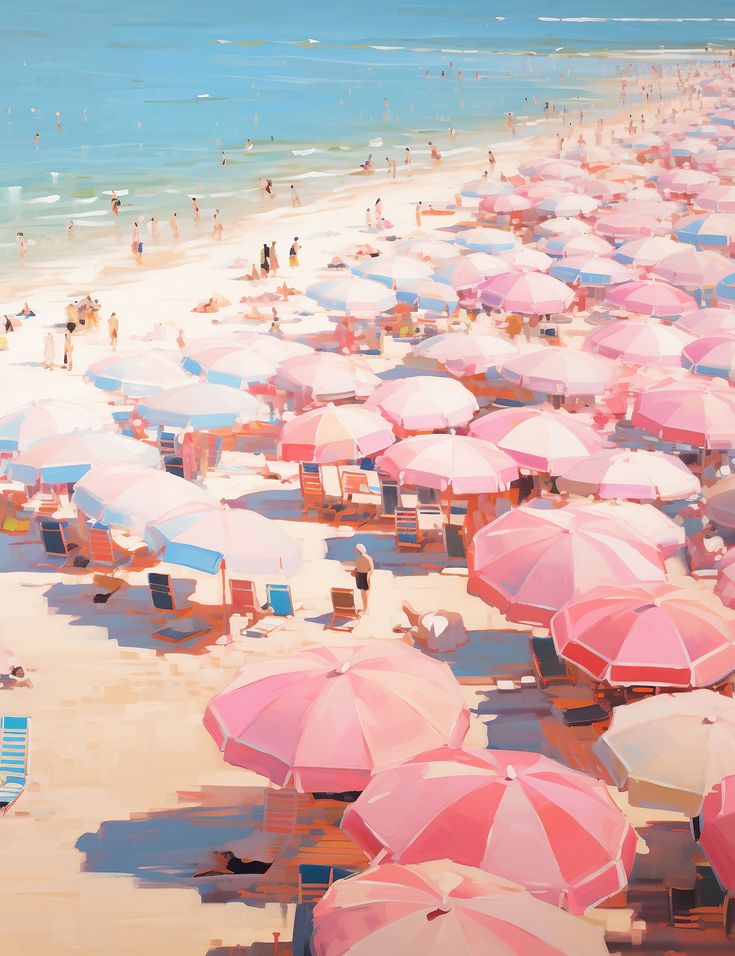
<point x="293" y="252"/>
<point x="113" y="327"/>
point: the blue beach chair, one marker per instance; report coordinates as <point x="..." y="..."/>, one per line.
<point x="279" y="599"/>
<point x="58" y="550"/>
<point x="14" y="752"/>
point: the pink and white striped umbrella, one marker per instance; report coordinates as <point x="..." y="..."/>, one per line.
<point x="499" y="810"/>
<point x="664" y="638"/>
<point x="569" y="204"/>
<point x="440" y="907"/>
<point x="717" y="830"/>
<point x="701" y="322"/>
<point x="567" y="228"/>
<point x="694" y="269"/>
<point x="650" y="297"/>
<point x="536" y="191"/>
<point x="720" y="499"/>
<point x="686" y="182"/>
<point x="628" y="473"/>
<point x="625" y="225"/>
<point x="701" y="414"/>
<point x="423" y="403"/>
<point x="604" y="190"/>
<point x="717" y="198"/>
<point x="538" y="438"/>
<point x="530" y="293"/>
<point x="468" y="271"/>
<point x="712" y="355"/>
<point x="526" y="259"/>
<point x="725" y="585"/>
<point x="390" y="702"/>
<point x="645" y="519"/>
<point x="646" y="252"/>
<point x="334" y="433"/>
<point x="462" y="354"/>
<point x="590" y="245"/>
<point x="638" y="343"/>
<point x="530" y="562"/>
<point x="554" y="371"/>
<point x="326" y="376"/>
<point x="551" y="168"/>
<point x="504" y="205"/>
<point x="456" y="464"/>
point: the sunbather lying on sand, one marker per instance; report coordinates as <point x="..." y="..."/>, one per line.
<point x="232" y="865"/>
<point x="209" y="306"/>
<point x="438" y="630"/>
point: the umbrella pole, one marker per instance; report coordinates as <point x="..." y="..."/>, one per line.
<point x="223" y="574"/>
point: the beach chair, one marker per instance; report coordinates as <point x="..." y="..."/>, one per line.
<point x="58" y="550"/>
<point x="102" y="550"/>
<point x="454" y="541"/>
<point x="244" y="599"/>
<point x="182" y="629"/>
<point x="588" y="715"/>
<point x="14" y="757"/>
<point x="162" y="592"/>
<point x="167" y="443"/>
<point x="549" y="667"/>
<point x="343" y="605"/>
<point x="315" y="879"/>
<point x="279" y="600"/>
<point x="280" y="811"/>
<point x="681" y="903"/>
<point x="388" y="495"/>
<point x="356" y="491"/>
<point x="312" y="487"/>
<point x="408" y="534"/>
<point x="303" y="929"/>
<point x="174" y="465"/>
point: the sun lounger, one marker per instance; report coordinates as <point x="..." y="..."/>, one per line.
<point x="408" y="534"/>
<point x="174" y="465"/>
<point x="59" y="551"/>
<point x="167" y="443"/>
<point x="280" y="811"/>
<point x="102" y="550"/>
<point x="315" y="879"/>
<point x="454" y="541"/>
<point x="280" y="601"/>
<point x="585" y="716"/>
<point x="681" y="903"/>
<point x="343" y="605"/>
<point x="162" y="591"/>
<point x="244" y="599"/>
<point x="549" y="667"/>
<point x="14" y="756"/>
<point x="183" y="629"/>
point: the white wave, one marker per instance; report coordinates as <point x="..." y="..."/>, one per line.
<point x="86" y="202"/>
<point x="203" y="96"/>
<point x="311" y="40"/>
<point x="224" y="41"/>
<point x="386" y="47"/>
<point x="45" y="199"/>
<point x="80" y="215"/>
<point x="378" y="141"/>
<point x="458" y="51"/>
<point x="120" y="192"/>
<point x="304" y="152"/>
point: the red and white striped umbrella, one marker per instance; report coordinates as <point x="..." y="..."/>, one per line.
<point x="638" y="343"/>
<point x="334" y="433"/>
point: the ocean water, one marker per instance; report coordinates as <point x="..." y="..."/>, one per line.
<point x="149" y="94"/>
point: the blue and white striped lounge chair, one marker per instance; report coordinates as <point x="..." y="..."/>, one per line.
<point x="14" y="752"/>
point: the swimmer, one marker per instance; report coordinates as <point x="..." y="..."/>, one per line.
<point x="295" y="201"/>
<point x="174" y="223"/>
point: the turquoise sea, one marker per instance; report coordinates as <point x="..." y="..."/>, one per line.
<point x="149" y="94"/>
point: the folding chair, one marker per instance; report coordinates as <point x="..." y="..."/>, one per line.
<point x="174" y="465"/>
<point x="102" y="550"/>
<point x="14" y="758"/>
<point x="59" y="551"/>
<point x="549" y="667"/>
<point x="408" y="534"/>
<point x="167" y="443"/>
<point x="162" y="591"/>
<point x="454" y="541"/>
<point x="279" y="599"/>
<point x="312" y="487"/>
<point x="244" y="599"/>
<point x="280" y="811"/>
<point x="343" y="605"/>
<point x="315" y="879"/>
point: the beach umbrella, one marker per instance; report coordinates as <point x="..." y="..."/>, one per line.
<point x="207" y="539"/>
<point x="468" y="271"/>
<point x="690" y="146"/>
<point x="200" y="405"/>
<point x="542" y="189"/>
<point x="559" y="372"/>
<point x="604" y="190"/>
<point x="136" y="374"/>
<point x="530" y="293"/>
<point x="638" y="343"/>
<point x="668" y="751"/>
<point x="720" y="499"/>
<point x="712" y="355"/>
<point x="388" y="702"/>
<point x="498" y="810"/>
<point x="334" y="433"/>
<point x="652" y="207"/>
<point x="550" y="168"/>
<point x="563" y="228"/>
<point x="686" y="182"/>
<point x="481" y="188"/>
<point x="440" y="907"/>
<point x="569" y="204"/>
<point x="592" y="154"/>
<point x="352" y="295"/>
<point x="237" y="366"/>
<point x="538" y="438"/>
<point x="431" y="250"/>
<point x="643" y="141"/>
<point x="485" y="239"/>
<point x="590" y="270"/>
<point x="650" y="297"/>
<point x="530" y="562"/>
<point x="424" y="403"/>
<point x="646" y="252"/>
<point x="327" y="376"/>
<point x="628" y="225"/>
<point x="393" y="272"/>
<point x="428" y="294"/>
<point x="63" y="459"/>
<point x="701" y="414"/>
<point x="505" y="205"/>
<point x="22" y="426"/>
<point x="130" y="496"/>
<point x="462" y="354"/>
<point x="630" y="473"/>
<point x="272" y="347"/>
<point x="645" y="519"/>
<point x="589" y="245"/>
<point x="717" y="830"/>
<point x="456" y="464"/>
<point x="526" y="259"/>
<point x="710" y="229"/>
<point x="701" y="322"/>
<point x="723" y="117"/>
<point x="693" y="269"/>
<point x="725" y="288"/>
<point x="665" y="638"/>
<point x="717" y="198"/>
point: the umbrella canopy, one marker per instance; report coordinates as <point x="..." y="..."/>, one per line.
<point x="712" y="355"/>
<point x="237" y="366"/>
<point x="424" y="403"/>
<point x="455" y="463"/>
<point x="479" y="188"/>
<point x="650" y="297"/>
<point x="327" y="376"/>
<point x="559" y="372"/>
<point x="629" y="636"/>
<point x="717" y="830"/>
<point x="589" y="245"/>
<point x="462" y="354"/>
<point x="569" y="204"/>
<point x="645" y="520"/>
<point x="638" y="343"/>
<point x="711" y="229"/>
<point x="393" y="272"/>
<point x="353" y="296"/>
<point x="627" y="225"/>
<point x="429" y="294"/>
<point x="701" y="414"/>
<point x="627" y="473"/>
<point x="244" y="540"/>
<point x="504" y="205"/>
<point x="701" y="322"/>
<point x="563" y="228"/>
<point x="720" y="499"/>
<point x="467" y="272"/>
<point x="646" y="252"/>
<point x="389" y="701"/>
<point x="499" y="810"/>
<point x="199" y="354"/>
<point x="530" y="562"/>
<point x="136" y="374"/>
<point x="200" y="405"/>
<point x="590" y="270"/>
<point x="485" y="239"/>
<point x="437" y="908"/>
<point x="431" y="250"/>
<point x="687" y="182"/>
<point x="693" y="269"/>
<point x="42" y="419"/>
<point x="549" y="168"/>
<point x="526" y="259"/>
<point x="538" y="438"/>
<point x="668" y="751"/>
<point x="334" y="433"/>
<point x="130" y="496"/>
<point x="530" y="293"/>
<point x="725" y="288"/>
<point x="717" y="199"/>
<point x="63" y="459"/>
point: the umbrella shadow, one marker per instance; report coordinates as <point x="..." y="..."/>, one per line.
<point x="489" y="654"/>
<point x="280" y="505"/>
<point x="382" y="549"/>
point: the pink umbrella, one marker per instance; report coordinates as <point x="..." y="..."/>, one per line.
<point x="717" y="199"/>
<point x="712" y="355"/>
<point x="537" y="191"/>
<point x="559" y="372"/>
<point x="650" y="297"/>
<point x="638" y="343"/>
<point x="551" y="168"/>
<point x="335" y="433"/>
<point x="423" y="403"/>
<point x="526" y="259"/>
<point x="717" y="830"/>
<point x="725" y="586"/>
<point x="720" y="499"/>
<point x="647" y="251"/>
<point x="464" y="354"/>
<point x="644" y="519"/>
<point x="687" y="182"/>
<point x="701" y="414"/>
<point x="538" y="438"/>
<point x="504" y="205"/>
<point x="388" y="701"/>
<point x="530" y="293"/>
<point x="693" y="269"/>
<point x="326" y="376"/>
<point x="440" y="908"/>
<point x="563" y="227"/>
<point x="569" y="204"/>
<point x="455" y="463"/>
<point x="701" y="322"/>
<point x="530" y="562"/>
<point x="467" y="272"/>
<point x="627" y="473"/>
<point x="499" y="810"/>
<point x="601" y="189"/>
<point x="653" y="206"/>
<point x="590" y="245"/>
<point x="624" y="225"/>
<point x="632" y="636"/>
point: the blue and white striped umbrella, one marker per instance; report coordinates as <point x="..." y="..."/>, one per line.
<point x="711" y="229"/>
<point x="591" y="270"/>
<point x="480" y="188"/>
<point x="200" y="405"/>
<point x="392" y="272"/>
<point x="136" y="374"/>
<point x="428" y="294"/>
<point x="725" y="288"/>
<point x="352" y="295"/>
<point x="485" y="239"/>
<point x="63" y="459"/>
<point x="236" y="367"/>
<point x="22" y="426"/>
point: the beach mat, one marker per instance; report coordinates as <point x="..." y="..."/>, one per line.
<point x="184" y="629"/>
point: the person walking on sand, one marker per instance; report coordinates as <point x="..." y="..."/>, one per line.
<point x="293" y="253"/>
<point x="68" y="351"/>
<point x="174" y="222"/>
<point x="435" y="154"/>
<point x="195" y="208"/>
<point x="70" y="230"/>
<point x="153" y="227"/>
<point x="22" y="246"/>
<point x="273" y="259"/>
<point x="217" y="226"/>
<point x="135" y="238"/>
<point x="418" y="213"/>
<point x="49" y="351"/>
<point x="391" y="167"/>
<point x="180" y="340"/>
<point x="265" y="264"/>
<point x="407" y="156"/>
<point x="295" y="201"/>
<point x="113" y="328"/>
<point x="378" y="212"/>
<point x="363" y="573"/>
<point x="269" y="190"/>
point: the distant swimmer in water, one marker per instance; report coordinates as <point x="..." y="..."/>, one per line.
<point x="435" y="154"/>
<point x="153" y="227"/>
<point x="295" y="201"/>
<point x="269" y="190"/>
<point x="174" y="223"/>
<point x="70" y="229"/>
<point x="36" y="138"/>
<point x="58" y="122"/>
<point x="407" y="156"/>
<point x="368" y="166"/>
<point x="22" y="245"/>
<point x="249" y="145"/>
<point x="195" y="207"/>
<point x="223" y="159"/>
<point x="216" y="225"/>
<point x="391" y="167"/>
